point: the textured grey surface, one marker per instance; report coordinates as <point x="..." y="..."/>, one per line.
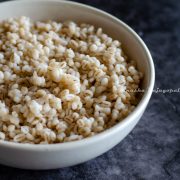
<point x="152" y="149"/>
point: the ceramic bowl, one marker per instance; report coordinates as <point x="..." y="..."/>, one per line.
<point x="53" y="156"/>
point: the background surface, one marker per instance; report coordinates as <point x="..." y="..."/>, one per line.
<point x="152" y="150"/>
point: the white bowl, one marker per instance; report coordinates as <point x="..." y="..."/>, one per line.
<point x="53" y="156"/>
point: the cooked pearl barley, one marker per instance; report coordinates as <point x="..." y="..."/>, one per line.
<point x="1" y="77"/>
<point x="2" y="136"/>
<point x="61" y="82"/>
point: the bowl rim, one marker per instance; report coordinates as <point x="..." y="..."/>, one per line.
<point x="135" y="113"/>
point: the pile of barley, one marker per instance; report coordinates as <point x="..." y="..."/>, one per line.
<point x="61" y="82"/>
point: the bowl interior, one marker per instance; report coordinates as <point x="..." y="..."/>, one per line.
<point x="60" y="11"/>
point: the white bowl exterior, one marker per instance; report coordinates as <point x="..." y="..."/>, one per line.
<point x="45" y="159"/>
<point x="67" y="154"/>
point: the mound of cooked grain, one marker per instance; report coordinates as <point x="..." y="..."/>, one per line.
<point x="61" y="82"/>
